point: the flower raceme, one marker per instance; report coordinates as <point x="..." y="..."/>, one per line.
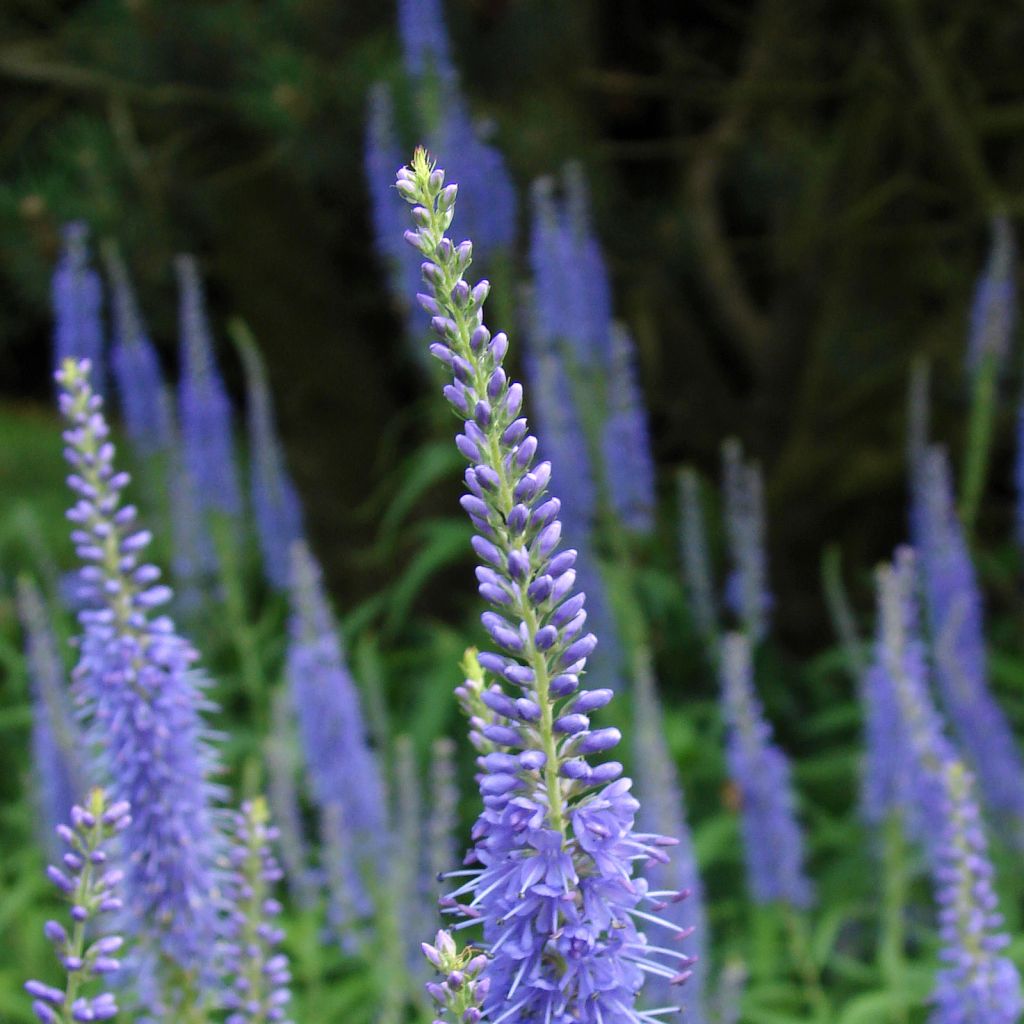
<point x="551" y="880"/>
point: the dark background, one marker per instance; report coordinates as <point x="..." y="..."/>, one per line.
<point x="793" y="198"/>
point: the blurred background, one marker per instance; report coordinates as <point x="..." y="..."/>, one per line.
<point x="793" y="200"/>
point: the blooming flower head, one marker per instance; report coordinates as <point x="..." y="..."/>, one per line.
<point x="204" y="411"/>
<point x="994" y="309"/>
<point x="145" y="403"/>
<point x="257" y="971"/>
<point x="772" y="841"/>
<point x="141" y="697"/>
<point x="89" y="883"/>
<point x="275" y="501"/>
<point x="955" y="620"/>
<point x="77" y="295"/>
<point x="553" y="885"/>
<point x="746" y="592"/>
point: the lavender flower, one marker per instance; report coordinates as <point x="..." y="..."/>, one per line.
<point x="426" y="51"/>
<point x="194" y="560"/>
<point x="461" y="992"/>
<point x="994" y="309"/>
<point x="142" y="698"/>
<point x="553" y="886"/>
<point x="955" y="620"/>
<point x="257" y="971"/>
<point x="663" y="811"/>
<point x="343" y="769"/>
<point x="441" y="821"/>
<point x="56" y="743"/>
<point x="629" y="464"/>
<point x="746" y="590"/>
<point x="145" y="403"/>
<point x="204" y="411"/>
<point x="772" y="843"/>
<point x="976" y="985"/>
<point x="275" y="501"/>
<point x="91" y="888"/>
<point x="77" y="296"/>
<point x="696" y="560"/>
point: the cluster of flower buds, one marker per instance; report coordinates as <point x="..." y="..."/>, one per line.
<point x="90" y="886"/>
<point x="461" y="991"/>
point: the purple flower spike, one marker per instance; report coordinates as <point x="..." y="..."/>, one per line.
<point x="141" y="698"/>
<point x="426" y="51"/>
<point x="56" y="740"/>
<point x="955" y="621"/>
<point x="275" y="501"/>
<point x="994" y="309"/>
<point x="746" y="591"/>
<point x="77" y="295"/>
<point x="696" y="559"/>
<point x="772" y="842"/>
<point x="90" y="886"/>
<point x="142" y="391"/>
<point x="204" y="410"/>
<point x="553" y="886"/>
<point x="256" y="970"/>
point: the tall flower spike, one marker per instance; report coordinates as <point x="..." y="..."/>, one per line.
<point x="141" y="697"/>
<point x="442" y="821"/>
<point x="257" y="971"/>
<point x="994" y="309"/>
<point x="772" y="842"/>
<point x="275" y="501"/>
<point x="424" y="35"/>
<point x="554" y="888"/>
<point x="696" y="558"/>
<point x="975" y="985"/>
<point x="142" y="391"/>
<point x="56" y="763"/>
<point x="204" y="411"/>
<point x="629" y="464"/>
<point x="955" y="621"/>
<point x="663" y="810"/>
<point x="746" y="589"/>
<point x="342" y="766"/>
<point x="77" y="295"/>
<point x="90" y="885"/>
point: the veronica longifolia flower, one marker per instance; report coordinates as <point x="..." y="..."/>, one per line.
<point x="772" y="842"/>
<point x="553" y="888"/>
<point x="145" y="403"/>
<point x="141" y="696"/>
<point x="56" y="742"/>
<point x="90" y="885"/>
<point x="696" y="558"/>
<point x="955" y="620"/>
<point x="426" y="51"/>
<point x="257" y="971"/>
<point x="275" y="501"/>
<point x="77" y="295"/>
<point x="204" y="411"/>
<point x="994" y="309"/>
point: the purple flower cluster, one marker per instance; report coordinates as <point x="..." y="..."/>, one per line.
<point x="141" y="697"/>
<point x="955" y="620"/>
<point x="553" y="885"/>
<point x="55" y="735"/>
<point x="90" y="885"/>
<point x="426" y="51"/>
<point x="275" y="502"/>
<point x="257" y="972"/>
<point x="663" y="811"/>
<point x="204" y="411"/>
<point x="343" y="769"/>
<point x="145" y="402"/>
<point x="696" y="560"/>
<point x="772" y="842"/>
<point x="994" y="309"/>
<point x="746" y="591"/>
<point x="77" y="296"/>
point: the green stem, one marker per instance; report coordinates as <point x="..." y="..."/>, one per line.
<point x="892" y="932"/>
<point x="979" y="439"/>
<point x="803" y="960"/>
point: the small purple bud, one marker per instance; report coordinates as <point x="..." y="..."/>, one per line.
<point x="598" y="740"/>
